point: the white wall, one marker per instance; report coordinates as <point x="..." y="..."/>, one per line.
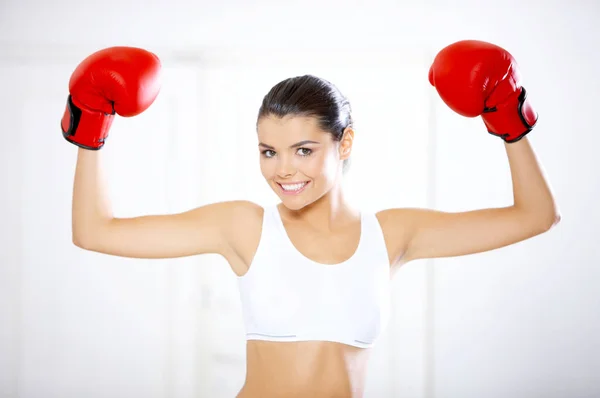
<point x="520" y="322"/>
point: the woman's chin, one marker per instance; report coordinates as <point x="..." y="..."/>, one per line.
<point x="293" y="203"/>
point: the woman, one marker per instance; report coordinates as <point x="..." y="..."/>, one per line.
<point x="313" y="271"/>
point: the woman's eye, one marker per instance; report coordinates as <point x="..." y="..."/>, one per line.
<point x="268" y="153"/>
<point x="304" y="151"/>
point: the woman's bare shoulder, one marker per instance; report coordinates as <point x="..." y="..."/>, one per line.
<point x="243" y="233"/>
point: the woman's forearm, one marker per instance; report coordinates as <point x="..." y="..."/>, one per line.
<point x="532" y="193"/>
<point x="91" y="206"/>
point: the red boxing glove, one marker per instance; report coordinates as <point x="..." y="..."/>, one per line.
<point x="122" y="80"/>
<point x="477" y="78"/>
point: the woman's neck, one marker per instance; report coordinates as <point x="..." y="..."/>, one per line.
<point x="331" y="212"/>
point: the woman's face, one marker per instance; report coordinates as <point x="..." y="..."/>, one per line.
<point x="299" y="161"/>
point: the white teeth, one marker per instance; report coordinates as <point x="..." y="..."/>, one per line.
<point x="293" y="187"/>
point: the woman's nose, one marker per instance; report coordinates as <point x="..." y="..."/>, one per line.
<point x="285" y="169"/>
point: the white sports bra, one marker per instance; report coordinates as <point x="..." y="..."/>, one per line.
<point x="287" y="297"/>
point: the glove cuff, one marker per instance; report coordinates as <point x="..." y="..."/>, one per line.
<point x="85" y="128"/>
<point x="511" y="120"/>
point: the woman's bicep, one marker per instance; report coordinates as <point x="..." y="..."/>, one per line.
<point x="433" y="234"/>
<point x="202" y="230"/>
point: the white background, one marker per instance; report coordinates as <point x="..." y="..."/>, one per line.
<point x="520" y="322"/>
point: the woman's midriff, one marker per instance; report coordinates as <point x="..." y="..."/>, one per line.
<point x="303" y="369"/>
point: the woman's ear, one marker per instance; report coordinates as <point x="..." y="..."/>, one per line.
<point x="346" y="143"/>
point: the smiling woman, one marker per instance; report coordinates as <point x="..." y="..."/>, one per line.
<point x="313" y="271"/>
<point x="297" y="156"/>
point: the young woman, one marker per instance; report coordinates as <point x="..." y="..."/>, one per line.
<point x="313" y="271"/>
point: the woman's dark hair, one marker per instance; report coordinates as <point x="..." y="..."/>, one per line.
<point x="309" y="96"/>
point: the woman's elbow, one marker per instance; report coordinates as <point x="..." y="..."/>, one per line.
<point x="549" y="221"/>
<point x="82" y="241"/>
